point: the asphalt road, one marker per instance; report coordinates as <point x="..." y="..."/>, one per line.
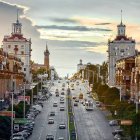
<point x="91" y="125"/>
<point x="42" y="128"/>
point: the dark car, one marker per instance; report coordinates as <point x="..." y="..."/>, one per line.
<point x="49" y="137"/>
<point x="52" y="113"/>
<point x="118" y="131"/>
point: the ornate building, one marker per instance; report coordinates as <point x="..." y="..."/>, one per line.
<point x="120" y="47"/>
<point x="10" y="70"/>
<point x="123" y="80"/>
<point x="16" y="44"/>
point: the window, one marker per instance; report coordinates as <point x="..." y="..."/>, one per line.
<point x="22" y="52"/>
<point x="22" y="46"/>
<point x="24" y="69"/>
<point x="9" y="46"/>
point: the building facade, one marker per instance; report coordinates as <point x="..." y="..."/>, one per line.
<point x="10" y="71"/>
<point x="16" y="44"/>
<point x="123" y="80"/>
<point x="120" y="47"/>
<point x="135" y="80"/>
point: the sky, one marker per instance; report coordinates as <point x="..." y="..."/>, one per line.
<point x="73" y="29"/>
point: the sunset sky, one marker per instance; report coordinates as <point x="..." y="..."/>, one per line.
<point x="73" y="29"/>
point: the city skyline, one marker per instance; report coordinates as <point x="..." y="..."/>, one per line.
<point x="78" y="32"/>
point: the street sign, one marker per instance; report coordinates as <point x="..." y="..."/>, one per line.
<point x="21" y="98"/>
<point x="126" y="122"/>
<point x="20" y="121"/>
<point x="7" y="113"/>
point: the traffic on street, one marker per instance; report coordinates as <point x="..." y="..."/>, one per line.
<point x="52" y="122"/>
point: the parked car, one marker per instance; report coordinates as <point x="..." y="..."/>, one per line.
<point x="113" y="122"/>
<point x="117" y="137"/>
<point x="117" y="131"/>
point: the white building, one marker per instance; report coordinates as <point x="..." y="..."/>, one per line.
<point x="19" y="46"/>
<point x="53" y="73"/>
<point x="80" y="66"/>
<point x="120" y="47"/>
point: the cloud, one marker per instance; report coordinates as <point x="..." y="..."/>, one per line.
<point x="74" y="43"/>
<point x="71" y="28"/>
<point x="102" y="23"/>
<point x="63" y="20"/>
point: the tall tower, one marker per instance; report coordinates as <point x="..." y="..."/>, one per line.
<point x="16" y="44"/>
<point x="120" y="47"/>
<point x="46" y="57"/>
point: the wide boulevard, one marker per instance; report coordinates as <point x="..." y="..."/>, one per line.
<point x="90" y="125"/>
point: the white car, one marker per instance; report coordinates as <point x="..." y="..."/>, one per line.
<point x="62" y="126"/>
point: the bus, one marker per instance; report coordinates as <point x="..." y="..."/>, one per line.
<point x="89" y="105"/>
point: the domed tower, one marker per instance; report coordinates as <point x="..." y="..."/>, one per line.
<point x="46" y="57"/>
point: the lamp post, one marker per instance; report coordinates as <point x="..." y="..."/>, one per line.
<point x="13" y="91"/>
<point x="24" y="102"/>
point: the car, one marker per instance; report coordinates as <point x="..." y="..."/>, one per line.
<point x="54" y="104"/>
<point x="18" y="138"/>
<point x="76" y="100"/>
<point x="51" y="121"/>
<point x="60" y="138"/>
<point x="49" y="137"/>
<point x="74" y="97"/>
<point x="61" y="98"/>
<point x="73" y="135"/>
<point x="52" y="113"/>
<point x="75" y="104"/>
<point x="62" y="126"/>
<point x="62" y="93"/>
<point x="113" y="123"/>
<point x="117" y="131"/>
<point x="61" y="102"/>
<point x="117" y="137"/>
<point x="98" y="104"/>
<point x="62" y="108"/>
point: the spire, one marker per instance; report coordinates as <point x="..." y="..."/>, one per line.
<point x="47" y="50"/>
<point x="17" y="15"/>
<point x="17" y="26"/>
<point x="121" y="17"/>
<point x="46" y="47"/>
